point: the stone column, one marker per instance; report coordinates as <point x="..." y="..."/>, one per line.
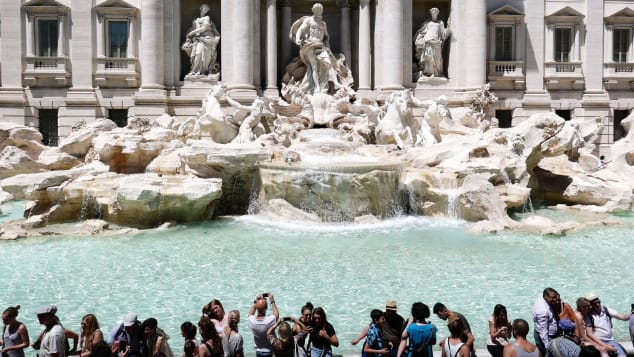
<point x="271" y="48"/>
<point x="287" y="17"/>
<point x="474" y="43"/>
<point x="226" y="41"/>
<point x="81" y="52"/>
<point x="593" y="66"/>
<point x="365" y="51"/>
<point x="151" y="100"/>
<point x="392" y="44"/>
<point x="535" y="54"/>
<point x="152" y="46"/>
<point x="30" y="33"/>
<point x="131" y="37"/>
<point x="61" y="31"/>
<point x="12" y="97"/>
<point x="241" y="83"/>
<point x="346" y="42"/>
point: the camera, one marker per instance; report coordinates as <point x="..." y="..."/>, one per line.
<point x="265" y="295"/>
<point x="287" y="318"/>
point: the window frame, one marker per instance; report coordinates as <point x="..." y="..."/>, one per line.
<point x="512" y="44"/>
<point x="570" y="29"/>
<point x="108" y="47"/>
<point x="52" y="52"/>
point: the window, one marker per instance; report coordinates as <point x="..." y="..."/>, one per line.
<point x="505" y="118"/>
<point x="563" y="44"/>
<point x="504" y="43"/>
<point x="564" y="114"/>
<point x="119" y="116"/>
<point x="49" y="126"/>
<point x="619" y="131"/>
<point x="621" y="44"/>
<point x="117" y="39"/>
<point x="47" y="37"/>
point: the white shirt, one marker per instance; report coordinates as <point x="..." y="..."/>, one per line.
<point x="602" y="326"/>
<point x="544" y="320"/>
<point x="53" y="342"/>
<point x="258" y="329"/>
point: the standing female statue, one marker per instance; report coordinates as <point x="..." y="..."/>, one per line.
<point x="201" y="43"/>
<point x="428" y="41"/>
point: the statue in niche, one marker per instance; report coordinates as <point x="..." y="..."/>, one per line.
<point x="429" y="40"/>
<point x="318" y="68"/>
<point x="200" y="45"/>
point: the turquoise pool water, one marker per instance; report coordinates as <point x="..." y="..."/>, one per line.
<point x="347" y="269"/>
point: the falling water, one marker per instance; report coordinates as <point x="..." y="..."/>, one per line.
<point x="90" y="208"/>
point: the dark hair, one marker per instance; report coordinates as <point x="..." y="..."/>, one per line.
<point x="12" y="311"/>
<point x="549" y="291"/>
<point x="500" y="318"/>
<point x="438" y="307"/>
<point x="100" y="349"/>
<point x="589" y="351"/>
<point x="420" y="311"/>
<point x="189" y="348"/>
<point x="320" y="311"/>
<point x="520" y="328"/>
<point x="208" y="333"/>
<point x="376" y="314"/>
<point x="307" y="305"/>
<point x="151" y="323"/>
<point x="189" y="330"/>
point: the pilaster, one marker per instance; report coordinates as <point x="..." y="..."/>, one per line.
<point x="241" y="84"/>
<point x="271" y="48"/>
<point x="391" y="36"/>
<point x="365" y="52"/>
<point x="151" y="99"/>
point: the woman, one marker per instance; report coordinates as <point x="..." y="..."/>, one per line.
<point x="453" y="346"/>
<point x="201" y="43"/>
<point x="499" y="331"/>
<point x="211" y="344"/>
<point x="90" y="334"/>
<point x="232" y="341"/>
<point x="322" y="336"/>
<point x="420" y="333"/>
<point x="589" y="339"/>
<point x="303" y="329"/>
<point x="283" y="344"/>
<point x="15" y="337"/>
<point x="216" y="313"/>
<point x="188" y="331"/>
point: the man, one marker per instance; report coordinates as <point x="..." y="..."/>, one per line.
<point x="127" y="336"/>
<point x="467" y="338"/>
<point x="260" y="323"/>
<point x="565" y="345"/>
<point x="599" y="323"/>
<point x="546" y="319"/>
<point x="520" y="331"/>
<point x="53" y="339"/>
<point x="310" y="33"/>
<point x="393" y="326"/>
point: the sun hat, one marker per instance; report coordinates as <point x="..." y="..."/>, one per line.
<point x="129" y="319"/>
<point x="390" y="305"/>
<point x="591" y="297"/>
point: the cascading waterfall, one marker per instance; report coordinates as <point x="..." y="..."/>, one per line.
<point x="90" y="208"/>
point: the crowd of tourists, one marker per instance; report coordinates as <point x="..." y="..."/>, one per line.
<point x="559" y="331"/>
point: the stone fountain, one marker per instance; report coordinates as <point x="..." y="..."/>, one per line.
<point x="315" y="153"/>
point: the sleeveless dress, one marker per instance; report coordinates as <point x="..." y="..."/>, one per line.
<point x="12" y="338"/>
<point x="452" y="350"/>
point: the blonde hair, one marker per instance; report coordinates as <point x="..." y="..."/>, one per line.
<point x="92" y="325"/>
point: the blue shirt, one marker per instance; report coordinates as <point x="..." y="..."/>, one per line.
<point x="421" y="334"/>
<point x="375" y="339"/>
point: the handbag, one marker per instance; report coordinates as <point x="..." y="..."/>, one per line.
<point x="299" y="350"/>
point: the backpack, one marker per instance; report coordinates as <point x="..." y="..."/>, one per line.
<point x="421" y="349"/>
<point x="607" y="313"/>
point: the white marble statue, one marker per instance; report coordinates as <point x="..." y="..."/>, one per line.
<point x="324" y="72"/>
<point x="393" y="127"/>
<point x="210" y="121"/>
<point x="429" y="40"/>
<point x="436" y="113"/>
<point x="200" y="45"/>
<point x="249" y="117"/>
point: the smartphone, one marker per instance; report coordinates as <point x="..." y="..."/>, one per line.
<point x="265" y="295"/>
<point x="122" y="345"/>
<point x="287" y="319"/>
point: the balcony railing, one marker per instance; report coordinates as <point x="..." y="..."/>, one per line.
<point x="514" y="69"/>
<point x="570" y="70"/>
<point x="46" y="71"/>
<point x="618" y="69"/>
<point x="112" y="71"/>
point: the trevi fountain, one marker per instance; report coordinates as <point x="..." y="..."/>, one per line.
<point x="315" y="195"/>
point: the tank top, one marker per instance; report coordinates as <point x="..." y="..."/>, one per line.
<point x="522" y="353"/>
<point x="12" y="338"/>
<point x="452" y="350"/>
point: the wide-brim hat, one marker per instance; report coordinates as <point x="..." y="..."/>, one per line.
<point x="591" y="297"/>
<point x="391" y="305"/>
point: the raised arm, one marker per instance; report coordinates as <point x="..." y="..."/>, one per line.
<point x="362" y="334"/>
<point x="235" y="104"/>
<point x="276" y="312"/>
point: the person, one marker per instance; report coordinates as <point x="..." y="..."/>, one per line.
<point x="232" y="341"/>
<point x="599" y="323"/>
<point x="260" y="323"/>
<point x="211" y="344"/>
<point x="53" y="338"/>
<point x="90" y="334"/>
<point x="453" y="345"/>
<point x="545" y="318"/>
<point x="420" y="333"/>
<point x="375" y="344"/>
<point x="282" y="343"/>
<point x="155" y="341"/>
<point x="188" y="331"/>
<point x="310" y="33"/>
<point x="499" y="331"/>
<point x="467" y="337"/>
<point x="15" y="336"/>
<point x="200" y="44"/>
<point x="323" y="335"/>
<point x="393" y="326"/>
<point x="428" y="41"/>
<point x="632" y="323"/>
<point x="566" y="344"/>
<point x="521" y="347"/>
<point x="301" y="331"/>
<point x="216" y="313"/>
<point x="125" y="338"/>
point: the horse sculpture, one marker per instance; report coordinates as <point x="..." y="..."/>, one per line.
<point x="211" y="122"/>
<point x="394" y="127"/>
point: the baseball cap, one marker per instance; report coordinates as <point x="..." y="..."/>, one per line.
<point x="46" y="309"/>
<point x="129" y="319"/>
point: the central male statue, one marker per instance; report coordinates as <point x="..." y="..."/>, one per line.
<point x="323" y="69"/>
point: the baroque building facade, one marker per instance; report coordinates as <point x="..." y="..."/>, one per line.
<point x="65" y="61"/>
